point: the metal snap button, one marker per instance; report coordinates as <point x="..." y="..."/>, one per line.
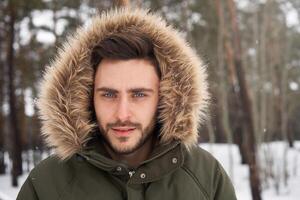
<point x="143" y="175"/>
<point x="119" y="169"/>
<point x="174" y="160"/>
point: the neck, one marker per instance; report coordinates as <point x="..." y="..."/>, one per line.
<point x="133" y="159"/>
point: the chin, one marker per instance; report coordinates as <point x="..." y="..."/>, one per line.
<point x="124" y="149"/>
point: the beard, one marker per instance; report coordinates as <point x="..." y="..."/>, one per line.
<point x="145" y="135"/>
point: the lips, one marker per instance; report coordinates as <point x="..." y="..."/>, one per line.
<point x="123" y="131"/>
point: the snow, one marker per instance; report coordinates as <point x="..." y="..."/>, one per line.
<point x="6" y="191"/>
<point x="279" y="153"/>
<point x="275" y="157"/>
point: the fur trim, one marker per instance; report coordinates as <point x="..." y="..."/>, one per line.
<point x="66" y="88"/>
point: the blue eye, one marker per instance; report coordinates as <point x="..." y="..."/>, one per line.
<point x="139" y="94"/>
<point x="108" y="95"/>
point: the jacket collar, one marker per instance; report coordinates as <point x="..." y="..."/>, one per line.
<point x="164" y="159"/>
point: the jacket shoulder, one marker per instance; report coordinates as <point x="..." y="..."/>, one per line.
<point x="208" y="173"/>
<point x="52" y="176"/>
<point x="51" y="166"/>
<point x="198" y="156"/>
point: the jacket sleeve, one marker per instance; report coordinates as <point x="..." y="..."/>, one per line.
<point x="223" y="186"/>
<point x="27" y="191"/>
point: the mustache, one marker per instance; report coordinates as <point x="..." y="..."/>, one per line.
<point x="125" y="123"/>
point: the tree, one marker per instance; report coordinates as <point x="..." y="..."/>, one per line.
<point x="247" y="106"/>
<point x="13" y="120"/>
<point x="2" y="93"/>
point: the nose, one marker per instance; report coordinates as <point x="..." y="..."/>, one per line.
<point x="123" y="110"/>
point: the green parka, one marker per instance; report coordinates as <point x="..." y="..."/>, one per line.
<point x="81" y="168"/>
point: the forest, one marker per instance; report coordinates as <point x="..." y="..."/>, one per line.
<point x="251" y="49"/>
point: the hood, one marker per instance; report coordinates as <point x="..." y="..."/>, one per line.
<point x="66" y="88"/>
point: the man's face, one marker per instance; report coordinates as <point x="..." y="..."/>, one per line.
<point x="125" y="102"/>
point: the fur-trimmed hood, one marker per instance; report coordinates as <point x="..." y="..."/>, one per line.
<point x="66" y="88"/>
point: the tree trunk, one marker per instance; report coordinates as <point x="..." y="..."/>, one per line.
<point x="290" y="136"/>
<point x="211" y="133"/>
<point x="22" y="118"/>
<point x="223" y="86"/>
<point x="13" y="120"/>
<point x="2" y="164"/>
<point x="248" y="121"/>
<point x="284" y="92"/>
<point x="2" y="72"/>
<point x="236" y="134"/>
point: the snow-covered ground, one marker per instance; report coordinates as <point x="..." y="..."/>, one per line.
<point x="275" y="157"/>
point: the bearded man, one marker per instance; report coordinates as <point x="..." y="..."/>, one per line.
<point x="121" y="105"/>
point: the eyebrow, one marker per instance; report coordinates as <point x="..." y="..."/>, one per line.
<point x="132" y="90"/>
<point x="106" y="89"/>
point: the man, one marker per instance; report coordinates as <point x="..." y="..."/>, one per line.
<point x="121" y="105"/>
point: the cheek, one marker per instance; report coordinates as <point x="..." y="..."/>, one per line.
<point x="147" y="112"/>
<point x="103" y="112"/>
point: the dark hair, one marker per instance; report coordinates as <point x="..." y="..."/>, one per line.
<point x="125" y="45"/>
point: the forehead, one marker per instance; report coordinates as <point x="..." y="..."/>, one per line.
<point x="126" y="73"/>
